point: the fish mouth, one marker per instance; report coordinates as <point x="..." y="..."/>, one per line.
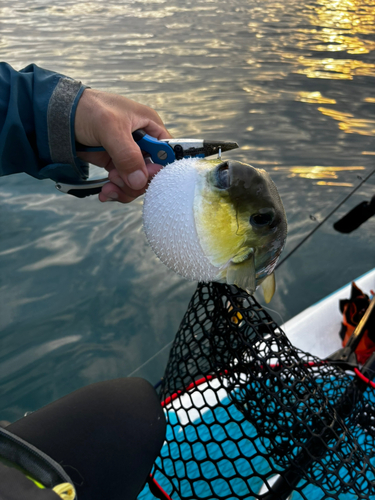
<point x="234" y="174"/>
<point x="222" y="177"/>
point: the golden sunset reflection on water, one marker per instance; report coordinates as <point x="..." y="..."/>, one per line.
<point x="339" y="26"/>
<point x="334" y="69"/>
<point x="319" y="172"/>
<point x="353" y="15"/>
<point x="342" y="28"/>
<point x="314" y="97"/>
<point x="341" y="184"/>
<point x="349" y="124"/>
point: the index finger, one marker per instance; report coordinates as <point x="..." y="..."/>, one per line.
<point x="155" y="130"/>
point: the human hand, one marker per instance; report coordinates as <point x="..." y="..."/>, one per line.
<point x="108" y="120"/>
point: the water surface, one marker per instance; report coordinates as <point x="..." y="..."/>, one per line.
<point x="83" y="298"/>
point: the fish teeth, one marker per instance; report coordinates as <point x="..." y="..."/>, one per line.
<point x="168" y="220"/>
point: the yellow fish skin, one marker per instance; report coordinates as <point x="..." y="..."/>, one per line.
<point x="214" y="220"/>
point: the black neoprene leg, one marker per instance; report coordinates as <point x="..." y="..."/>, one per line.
<point x="106" y="436"/>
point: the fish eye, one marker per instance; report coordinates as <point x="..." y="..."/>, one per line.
<point x="222" y="176"/>
<point x="262" y="219"/>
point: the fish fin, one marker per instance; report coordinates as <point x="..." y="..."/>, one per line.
<point x="243" y="274"/>
<point x="269" y="287"/>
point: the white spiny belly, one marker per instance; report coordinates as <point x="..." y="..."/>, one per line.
<point x="168" y="219"/>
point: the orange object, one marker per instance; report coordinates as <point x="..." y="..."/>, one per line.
<point x="353" y="310"/>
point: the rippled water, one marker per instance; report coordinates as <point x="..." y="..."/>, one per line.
<point x="83" y="298"/>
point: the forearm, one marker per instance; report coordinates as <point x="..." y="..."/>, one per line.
<point x="37" y="112"/>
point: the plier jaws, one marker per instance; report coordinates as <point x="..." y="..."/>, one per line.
<point x="198" y="148"/>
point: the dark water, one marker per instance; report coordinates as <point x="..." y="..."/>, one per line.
<point x="83" y="298"/>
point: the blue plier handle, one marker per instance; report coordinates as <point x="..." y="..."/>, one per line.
<point x="161" y="152"/>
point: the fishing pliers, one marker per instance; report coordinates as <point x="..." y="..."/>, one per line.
<point x="162" y="152"/>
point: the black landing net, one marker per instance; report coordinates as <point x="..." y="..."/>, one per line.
<point x="250" y="416"/>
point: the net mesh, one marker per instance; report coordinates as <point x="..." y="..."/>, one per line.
<point x="249" y="416"/>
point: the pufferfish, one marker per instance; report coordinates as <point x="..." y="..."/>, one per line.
<point x="215" y="220"/>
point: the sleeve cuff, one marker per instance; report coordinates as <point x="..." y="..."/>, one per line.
<point x="60" y="122"/>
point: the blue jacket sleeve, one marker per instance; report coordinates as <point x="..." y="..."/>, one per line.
<point x="37" y="110"/>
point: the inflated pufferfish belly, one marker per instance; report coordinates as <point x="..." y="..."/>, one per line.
<point x="168" y="219"/>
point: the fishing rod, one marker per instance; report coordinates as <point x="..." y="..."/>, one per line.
<point x="327" y="217"/>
